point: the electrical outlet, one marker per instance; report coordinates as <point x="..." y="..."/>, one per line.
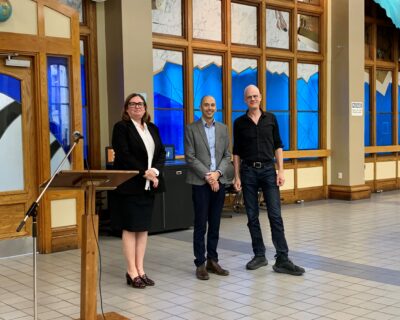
<point x="340" y="175"/>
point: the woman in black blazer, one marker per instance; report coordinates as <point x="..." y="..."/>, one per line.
<point x="137" y="146"/>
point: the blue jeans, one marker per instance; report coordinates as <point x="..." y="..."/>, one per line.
<point x="207" y="208"/>
<point x="265" y="178"/>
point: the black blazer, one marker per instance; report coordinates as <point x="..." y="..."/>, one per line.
<point x="131" y="154"/>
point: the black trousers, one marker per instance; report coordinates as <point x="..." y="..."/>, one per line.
<point x="207" y="210"/>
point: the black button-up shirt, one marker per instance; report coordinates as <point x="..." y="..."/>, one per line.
<point x="256" y="142"/>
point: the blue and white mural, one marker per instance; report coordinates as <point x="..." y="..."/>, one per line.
<point x="207" y="80"/>
<point x="277" y="28"/>
<point x="307" y="97"/>
<point x="207" y="19"/>
<point x="11" y="144"/>
<point x="168" y="96"/>
<point x="384" y="108"/>
<point x="244" y="73"/>
<point x="367" y="109"/>
<point x="244" y="22"/>
<point x="167" y="17"/>
<point x="277" y="97"/>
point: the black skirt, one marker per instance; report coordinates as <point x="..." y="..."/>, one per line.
<point x="132" y="212"/>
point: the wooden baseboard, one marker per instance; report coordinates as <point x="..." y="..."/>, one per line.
<point x="305" y="194"/>
<point x="386" y="184"/>
<point x="349" y="192"/>
<point x="64" y="238"/>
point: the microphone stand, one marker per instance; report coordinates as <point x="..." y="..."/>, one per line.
<point x="32" y="212"/>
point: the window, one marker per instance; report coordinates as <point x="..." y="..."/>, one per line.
<point x="207" y="19"/>
<point x="85" y="109"/>
<point x="168" y="96"/>
<point x="277" y="97"/>
<point x="59" y="111"/>
<point x="244" y="24"/>
<point x="384" y="113"/>
<point x="307" y="106"/>
<point x="207" y="80"/>
<point x="307" y="33"/>
<point x="367" y="108"/>
<point x="11" y="135"/>
<point x="220" y="52"/>
<point x="381" y="85"/>
<point x="278" y="29"/>
<point x="244" y="73"/>
<point x="167" y="18"/>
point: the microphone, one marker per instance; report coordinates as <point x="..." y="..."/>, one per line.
<point x="77" y="136"/>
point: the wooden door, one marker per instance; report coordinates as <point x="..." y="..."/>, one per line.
<point x="18" y="148"/>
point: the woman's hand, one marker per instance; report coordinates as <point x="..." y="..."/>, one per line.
<point x="155" y="183"/>
<point x="149" y="174"/>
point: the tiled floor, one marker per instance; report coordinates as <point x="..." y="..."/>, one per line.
<point x="350" y="251"/>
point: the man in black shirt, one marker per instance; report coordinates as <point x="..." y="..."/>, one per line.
<point x="257" y="144"/>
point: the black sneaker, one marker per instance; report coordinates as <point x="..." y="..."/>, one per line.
<point x="256" y="262"/>
<point x="285" y="265"/>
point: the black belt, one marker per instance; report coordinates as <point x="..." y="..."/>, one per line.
<point x="257" y="164"/>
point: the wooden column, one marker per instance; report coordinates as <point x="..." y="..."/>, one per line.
<point x="89" y="255"/>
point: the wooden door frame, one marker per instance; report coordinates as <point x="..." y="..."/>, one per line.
<point x="39" y="47"/>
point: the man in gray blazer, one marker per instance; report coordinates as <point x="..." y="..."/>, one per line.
<point x="210" y="168"/>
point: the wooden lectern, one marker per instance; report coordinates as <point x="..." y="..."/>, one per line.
<point x="90" y="181"/>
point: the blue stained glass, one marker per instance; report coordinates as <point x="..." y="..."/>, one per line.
<point x="168" y="87"/>
<point x="83" y="80"/>
<point x="85" y="110"/>
<point x="208" y="81"/>
<point x="85" y="132"/>
<point x="384" y="129"/>
<point x="58" y="100"/>
<point x="240" y="80"/>
<point x="277" y="91"/>
<point x="171" y="126"/>
<point x="367" y="115"/>
<point x="307" y="130"/>
<point x="10" y="87"/>
<point x="384" y="102"/>
<point x="307" y="93"/>
<point x="237" y="114"/>
<point x="284" y="128"/>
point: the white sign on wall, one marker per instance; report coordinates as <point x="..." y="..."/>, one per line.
<point x="357" y="109"/>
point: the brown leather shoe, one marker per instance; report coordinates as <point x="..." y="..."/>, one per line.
<point x="214" y="267"/>
<point x="201" y="272"/>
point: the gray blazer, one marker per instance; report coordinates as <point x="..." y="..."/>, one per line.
<point x="198" y="156"/>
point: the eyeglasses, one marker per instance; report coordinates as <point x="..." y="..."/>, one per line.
<point x="254" y="96"/>
<point x="136" y="105"/>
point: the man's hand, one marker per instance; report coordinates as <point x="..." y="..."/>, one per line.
<point x="212" y="177"/>
<point x="215" y="186"/>
<point x="237" y="184"/>
<point x="280" y="178"/>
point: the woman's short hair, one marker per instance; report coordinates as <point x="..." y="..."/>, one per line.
<point x="125" y="116"/>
